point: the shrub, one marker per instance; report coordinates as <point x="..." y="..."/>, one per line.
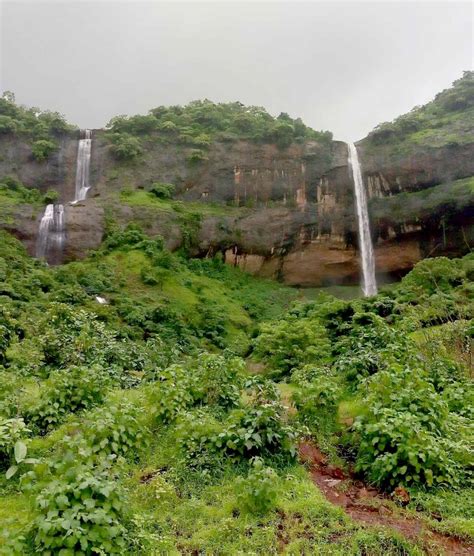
<point x="42" y="148"/>
<point x="196" y="156"/>
<point x="80" y="512"/>
<point x="317" y="402"/>
<point x="126" y="147"/>
<point x="51" y="196"/>
<point x="13" y="434"/>
<point x="216" y="380"/>
<point x="68" y="391"/>
<point x="7" y="125"/>
<point x="257" y="493"/>
<point x="257" y="430"/>
<point x="289" y="343"/>
<point x="172" y="394"/>
<point x="114" y="429"/>
<point x="408" y="436"/>
<point x="162" y="190"/>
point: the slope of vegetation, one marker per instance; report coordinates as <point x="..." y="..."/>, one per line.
<point x="40" y="128"/>
<point x="448" y="120"/>
<point x="443" y="201"/>
<point x="201" y="122"/>
<point x="153" y="404"/>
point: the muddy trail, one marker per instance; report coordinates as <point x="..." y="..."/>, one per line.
<point x="368" y="506"/>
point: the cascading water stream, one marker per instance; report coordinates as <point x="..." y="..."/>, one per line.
<point x="83" y="166"/>
<point x="365" y="240"/>
<point x="51" y="234"/>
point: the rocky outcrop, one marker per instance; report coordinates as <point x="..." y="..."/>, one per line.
<point x="58" y="172"/>
<point x="290" y="212"/>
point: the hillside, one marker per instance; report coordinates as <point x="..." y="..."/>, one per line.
<point x="153" y="403"/>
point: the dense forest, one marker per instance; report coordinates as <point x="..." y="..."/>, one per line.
<point x="157" y="404"/>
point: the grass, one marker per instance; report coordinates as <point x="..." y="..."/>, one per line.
<point x="443" y="199"/>
<point x="142" y="198"/>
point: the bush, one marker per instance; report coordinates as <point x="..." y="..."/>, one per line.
<point x="290" y="343"/>
<point x="42" y="149"/>
<point x="162" y="190"/>
<point x="51" y="196"/>
<point x="195" y="156"/>
<point x="13" y="434"/>
<point x="408" y="436"/>
<point x="216" y="380"/>
<point x="317" y="402"/>
<point x="7" y="125"/>
<point x="68" y="391"/>
<point x="80" y="512"/>
<point x="126" y="147"/>
<point x="257" y="493"/>
<point x="172" y="394"/>
<point x="114" y="429"/>
<point x="257" y="430"/>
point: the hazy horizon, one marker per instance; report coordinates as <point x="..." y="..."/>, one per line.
<point x="341" y="66"/>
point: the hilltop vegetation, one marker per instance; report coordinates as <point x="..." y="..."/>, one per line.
<point x="38" y="127"/>
<point x="448" y="120"/>
<point x="201" y="122"/>
<point x="167" y="420"/>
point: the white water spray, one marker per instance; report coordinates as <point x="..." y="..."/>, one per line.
<point x="83" y="166"/>
<point x="365" y="239"/>
<point x="51" y="234"/>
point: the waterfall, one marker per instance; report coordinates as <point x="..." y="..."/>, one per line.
<point x="51" y="234"/>
<point x="83" y="166"/>
<point x="365" y="239"/>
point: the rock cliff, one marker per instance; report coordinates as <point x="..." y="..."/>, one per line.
<point x="285" y="212"/>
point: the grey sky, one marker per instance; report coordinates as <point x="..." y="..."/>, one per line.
<point x="340" y="66"/>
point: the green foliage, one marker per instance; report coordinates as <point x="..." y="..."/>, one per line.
<point x="257" y="430"/>
<point x="201" y="122"/>
<point x="317" y="399"/>
<point x="13" y="434"/>
<point x="80" y="511"/>
<point x="126" y="147"/>
<point x="216" y="380"/>
<point x="408" y="436"/>
<point x="30" y="123"/>
<point x="290" y="343"/>
<point x="172" y="394"/>
<point x="258" y="493"/>
<point x="14" y="190"/>
<point x="43" y="148"/>
<point x="162" y="190"/>
<point x="67" y="391"/>
<point x="448" y="116"/>
<point x="116" y="430"/>
<point x="51" y="196"/>
<point x="7" y="125"/>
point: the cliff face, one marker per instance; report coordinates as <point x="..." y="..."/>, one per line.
<point x="284" y="212"/>
<point x="296" y="220"/>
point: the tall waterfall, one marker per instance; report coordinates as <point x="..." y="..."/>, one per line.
<point x="365" y="239"/>
<point x="51" y="234"/>
<point x="83" y="166"/>
<point x="52" y="231"/>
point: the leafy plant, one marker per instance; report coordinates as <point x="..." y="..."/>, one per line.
<point x="81" y="510"/>
<point x="68" y="391"/>
<point x="13" y="445"/>
<point x="162" y="190"/>
<point x="42" y="149"/>
<point x="257" y="493"/>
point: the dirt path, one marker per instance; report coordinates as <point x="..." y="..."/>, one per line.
<point x="367" y="505"/>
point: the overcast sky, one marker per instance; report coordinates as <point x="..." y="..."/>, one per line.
<point x="342" y="66"/>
